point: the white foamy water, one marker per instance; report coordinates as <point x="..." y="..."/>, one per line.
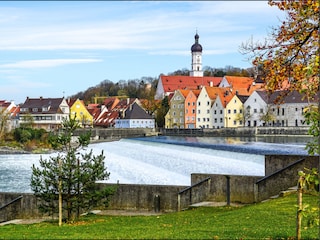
<point x="140" y="162"/>
<point x="131" y="161"/>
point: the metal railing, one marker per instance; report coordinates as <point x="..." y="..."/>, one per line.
<point x="190" y="198"/>
<point x="9" y="203"/>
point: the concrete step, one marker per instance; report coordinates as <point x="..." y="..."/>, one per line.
<point x="214" y="204"/>
<point x="289" y="191"/>
<point x="14" y="221"/>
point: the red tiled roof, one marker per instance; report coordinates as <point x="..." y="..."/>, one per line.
<point x="172" y="83"/>
<point x="239" y="82"/>
<point x="184" y="92"/>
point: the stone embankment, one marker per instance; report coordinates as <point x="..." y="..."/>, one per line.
<point x="10" y="150"/>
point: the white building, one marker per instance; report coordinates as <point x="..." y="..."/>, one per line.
<point x="135" y="117"/>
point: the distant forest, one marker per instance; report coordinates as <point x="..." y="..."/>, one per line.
<point x="145" y="87"/>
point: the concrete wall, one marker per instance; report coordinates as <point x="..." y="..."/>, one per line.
<point x="285" y="174"/>
<point x="282" y="173"/>
<point x="242" y="188"/>
<point x="240" y="131"/>
<point x="116" y="133"/>
<point x="24" y="207"/>
<point x="197" y="192"/>
<point x="144" y="197"/>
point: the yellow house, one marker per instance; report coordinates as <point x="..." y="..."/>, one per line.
<point x="235" y="112"/>
<point x="78" y="109"/>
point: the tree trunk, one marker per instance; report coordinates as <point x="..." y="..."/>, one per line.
<point x="60" y="194"/>
<point x="299" y="211"/>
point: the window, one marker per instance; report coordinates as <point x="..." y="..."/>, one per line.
<point x="186" y="111"/>
<point x="215" y="120"/>
<point x="220" y="111"/>
<point x="188" y="103"/>
<point x="208" y="111"/>
<point x="193" y="111"/>
<point x="234" y="122"/>
<point x="221" y="120"/>
<point x="199" y="103"/>
<point x="240" y="111"/>
<point x="282" y="111"/>
<point x="198" y="111"/>
<point x="174" y="106"/>
<point x="204" y="119"/>
<point x="261" y="110"/>
<point x="235" y="101"/>
<point x="215" y="111"/>
<point x="208" y="103"/>
<point x="199" y="119"/>
<point x="208" y="119"/>
<point x="34" y="109"/>
<point x="229" y="111"/>
<point x="255" y="110"/>
<point x="234" y="111"/>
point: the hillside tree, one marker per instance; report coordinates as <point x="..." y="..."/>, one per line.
<point x="4" y="118"/>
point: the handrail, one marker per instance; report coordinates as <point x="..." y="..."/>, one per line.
<point x="281" y="170"/>
<point x="194" y="185"/>
<point x="189" y="189"/>
<point x="12" y="201"/>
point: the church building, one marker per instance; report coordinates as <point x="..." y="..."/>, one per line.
<point x="168" y="84"/>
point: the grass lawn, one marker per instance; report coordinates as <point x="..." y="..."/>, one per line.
<point x="275" y="219"/>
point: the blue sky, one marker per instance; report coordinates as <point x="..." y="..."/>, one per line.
<point x="55" y="49"/>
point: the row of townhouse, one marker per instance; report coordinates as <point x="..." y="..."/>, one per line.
<point x="49" y="113"/>
<point x="222" y="107"/>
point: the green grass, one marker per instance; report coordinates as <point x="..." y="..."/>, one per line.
<point x="275" y="219"/>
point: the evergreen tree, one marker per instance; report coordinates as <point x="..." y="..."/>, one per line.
<point x="70" y="176"/>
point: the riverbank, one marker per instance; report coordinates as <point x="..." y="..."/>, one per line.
<point x="11" y="150"/>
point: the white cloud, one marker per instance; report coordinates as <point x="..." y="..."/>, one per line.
<point x="124" y="26"/>
<point x="46" y="63"/>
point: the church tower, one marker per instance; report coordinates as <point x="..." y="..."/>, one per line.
<point x="196" y="62"/>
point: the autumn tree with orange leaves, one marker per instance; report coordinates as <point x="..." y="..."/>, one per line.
<point x="289" y="60"/>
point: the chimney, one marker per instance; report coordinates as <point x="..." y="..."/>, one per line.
<point x="211" y="84"/>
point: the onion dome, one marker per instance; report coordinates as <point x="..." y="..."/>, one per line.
<point x="196" y="47"/>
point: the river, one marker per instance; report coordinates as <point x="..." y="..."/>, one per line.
<point x="164" y="160"/>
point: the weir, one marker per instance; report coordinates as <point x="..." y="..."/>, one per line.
<point x="133" y="160"/>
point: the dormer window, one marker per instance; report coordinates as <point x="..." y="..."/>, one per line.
<point x="45" y="109"/>
<point x="34" y="109"/>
